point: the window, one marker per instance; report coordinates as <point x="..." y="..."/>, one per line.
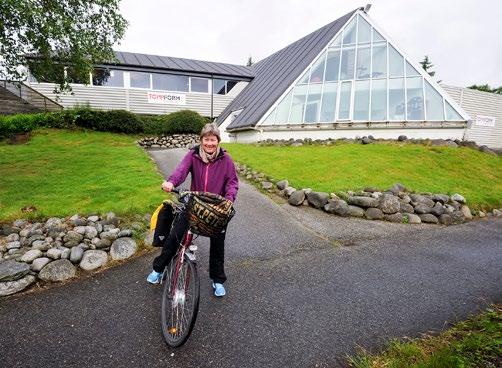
<point x="349" y="33"/>
<point x="140" y="80"/>
<point x="219" y="86"/>
<point x="396" y="61"/>
<point x="363" y="31"/>
<point x="363" y="63"/>
<point x="298" y="104"/>
<point x="451" y="114"/>
<point x="414" y="94"/>
<point x="313" y="104"/>
<point x="332" y="65"/>
<point x="107" y="77"/>
<point x="379" y="61"/>
<point x="328" y="107"/>
<point x="283" y="109"/>
<point x="230" y="85"/>
<point x="396" y="99"/>
<point x="348" y="56"/>
<point x="199" y="85"/>
<point x="169" y="82"/>
<point x="344" y="109"/>
<point x="317" y="74"/>
<point x="379" y="100"/>
<point x="411" y="71"/>
<point x="433" y="103"/>
<point x="361" y="100"/>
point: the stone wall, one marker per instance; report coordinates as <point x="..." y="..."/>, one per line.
<point x="170" y="141"/>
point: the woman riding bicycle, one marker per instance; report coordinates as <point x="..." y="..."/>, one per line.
<point x="212" y="170"/>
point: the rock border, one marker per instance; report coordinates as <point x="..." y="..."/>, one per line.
<point x="396" y="204"/>
<point x="54" y="250"/>
<point x="170" y="141"/>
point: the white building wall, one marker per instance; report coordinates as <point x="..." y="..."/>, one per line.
<point x="135" y="100"/>
<point x="249" y="136"/>
<point x="480" y="103"/>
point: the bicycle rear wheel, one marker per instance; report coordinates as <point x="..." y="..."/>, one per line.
<point x="180" y="301"/>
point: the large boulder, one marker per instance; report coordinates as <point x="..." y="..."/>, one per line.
<point x="457" y="198"/>
<point x="39" y="263"/>
<point x="355" y="211"/>
<point x="395" y="217"/>
<point x="12" y="287"/>
<point x="317" y="199"/>
<point x="31" y="255"/>
<point x="406" y="208"/>
<point x="438" y="209"/>
<point x="76" y="254"/>
<point x="428" y="218"/>
<point x="467" y="212"/>
<point x="11" y="270"/>
<point x="418" y="198"/>
<point x="443" y="198"/>
<point x="413" y="219"/>
<point x="338" y="207"/>
<point x="445" y="219"/>
<point x="363" y="201"/>
<point x="296" y="198"/>
<point x="457" y="217"/>
<point x="422" y="208"/>
<point x="57" y="271"/>
<point x="282" y="184"/>
<point x="373" y="214"/>
<point x="389" y="204"/>
<point x="72" y="238"/>
<point x="123" y="248"/>
<point x="93" y="259"/>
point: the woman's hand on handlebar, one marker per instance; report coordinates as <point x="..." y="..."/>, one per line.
<point x="167" y="186"/>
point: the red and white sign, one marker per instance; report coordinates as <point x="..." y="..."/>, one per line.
<point x="488" y="121"/>
<point x="166" y="98"/>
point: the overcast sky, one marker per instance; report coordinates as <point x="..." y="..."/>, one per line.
<point x="463" y="38"/>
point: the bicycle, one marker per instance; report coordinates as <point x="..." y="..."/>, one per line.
<point x="180" y="297"/>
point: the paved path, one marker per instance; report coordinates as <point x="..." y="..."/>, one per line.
<point x="295" y="298"/>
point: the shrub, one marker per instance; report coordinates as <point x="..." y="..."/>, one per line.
<point x="184" y="121"/>
<point x="20" y="123"/>
<point x="154" y="124"/>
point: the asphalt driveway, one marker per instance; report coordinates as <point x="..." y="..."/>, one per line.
<point x="304" y="290"/>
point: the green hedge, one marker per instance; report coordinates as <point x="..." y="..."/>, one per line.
<point x="116" y="121"/>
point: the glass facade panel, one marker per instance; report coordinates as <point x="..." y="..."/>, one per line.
<point x="344" y="108"/>
<point x="411" y="71"/>
<point x="140" y="80"/>
<point x="377" y="37"/>
<point x="363" y="31"/>
<point x="336" y="42"/>
<point x="379" y="67"/>
<point x="298" y="105"/>
<point x="451" y="114"/>
<point x="347" y="69"/>
<point x="305" y="77"/>
<point x="169" y="82"/>
<point x="361" y="100"/>
<point x="199" y="85"/>
<point x="414" y="95"/>
<point x="433" y="103"/>
<point x="283" y="109"/>
<point x="270" y="119"/>
<point x="219" y="86"/>
<point x="349" y="33"/>
<point x="107" y="77"/>
<point x="317" y="75"/>
<point x="396" y="99"/>
<point x="328" y="107"/>
<point x="332" y="65"/>
<point x="313" y="104"/>
<point x="396" y="66"/>
<point x="379" y="100"/>
<point x="363" y="62"/>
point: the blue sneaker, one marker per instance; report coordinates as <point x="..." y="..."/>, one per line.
<point x="219" y="289"/>
<point x="154" y="277"/>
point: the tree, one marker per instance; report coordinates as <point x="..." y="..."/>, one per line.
<point x="250" y="61"/>
<point x="58" y="40"/>
<point x="427" y="65"/>
<point x="486" y="88"/>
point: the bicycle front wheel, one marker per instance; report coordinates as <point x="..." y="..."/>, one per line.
<point x="180" y="301"/>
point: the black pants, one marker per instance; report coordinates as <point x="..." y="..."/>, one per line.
<point x="178" y="225"/>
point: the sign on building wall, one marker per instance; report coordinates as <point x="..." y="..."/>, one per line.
<point x="482" y="120"/>
<point x="167" y="98"/>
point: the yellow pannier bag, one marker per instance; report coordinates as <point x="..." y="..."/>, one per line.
<point x="153" y="220"/>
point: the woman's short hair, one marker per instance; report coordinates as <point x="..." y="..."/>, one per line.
<point x="210" y="129"/>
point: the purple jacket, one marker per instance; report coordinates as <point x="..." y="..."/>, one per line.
<point x="217" y="177"/>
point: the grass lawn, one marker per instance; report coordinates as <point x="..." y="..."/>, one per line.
<point x="62" y="172"/>
<point x="475" y="175"/>
<point x="474" y="343"/>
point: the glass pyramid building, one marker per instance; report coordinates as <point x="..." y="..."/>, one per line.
<point x="361" y="77"/>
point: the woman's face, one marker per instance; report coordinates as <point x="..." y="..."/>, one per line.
<point x="209" y="143"/>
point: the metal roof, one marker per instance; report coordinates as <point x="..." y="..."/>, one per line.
<point x="274" y="74"/>
<point x="182" y="65"/>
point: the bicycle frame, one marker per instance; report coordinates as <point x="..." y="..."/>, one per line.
<point x="187" y="241"/>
